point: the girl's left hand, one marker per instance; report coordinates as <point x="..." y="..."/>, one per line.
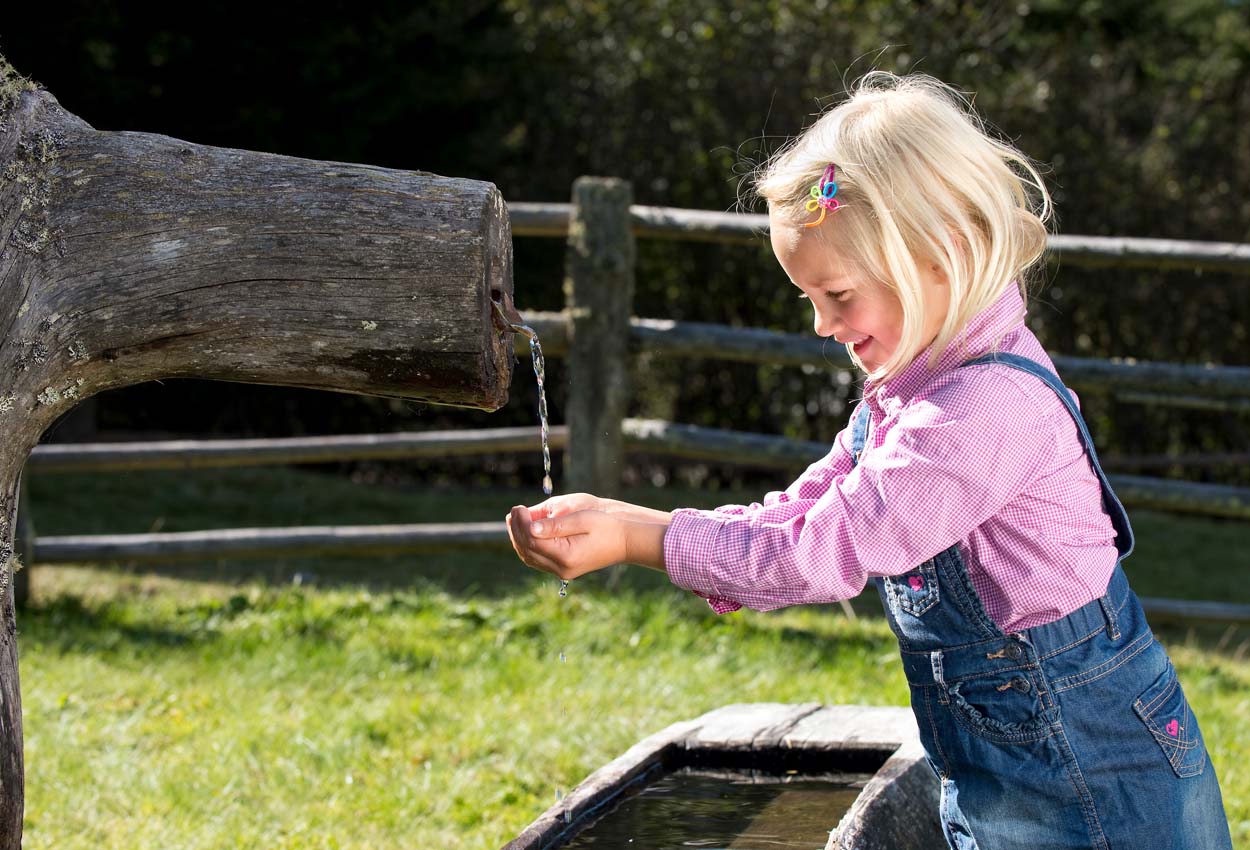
<point x="570" y="545"/>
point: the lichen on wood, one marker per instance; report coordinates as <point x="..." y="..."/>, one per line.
<point x="12" y="84"/>
<point x="32" y="170"/>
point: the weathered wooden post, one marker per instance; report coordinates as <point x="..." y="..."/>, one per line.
<point x="24" y="544"/>
<point x="127" y="257"/>
<point x="599" y="296"/>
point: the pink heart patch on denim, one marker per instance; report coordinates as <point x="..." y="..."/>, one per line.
<point x="1173" y="727"/>
<point x="916" y="582"/>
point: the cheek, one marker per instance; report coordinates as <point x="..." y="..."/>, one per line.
<point x="862" y="318"/>
<point x="884" y="319"/>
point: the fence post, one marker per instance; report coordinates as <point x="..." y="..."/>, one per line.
<point x="599" y="297"/>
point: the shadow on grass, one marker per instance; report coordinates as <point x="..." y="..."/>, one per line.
<point x="66" y="624"/>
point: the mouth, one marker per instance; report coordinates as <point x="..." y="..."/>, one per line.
<point x="858" y="344"/>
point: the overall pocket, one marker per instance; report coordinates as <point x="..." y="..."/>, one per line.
<point x="1168" y="717"/>
<point x="916" y="591"/>
<point x="1005" y="708"/>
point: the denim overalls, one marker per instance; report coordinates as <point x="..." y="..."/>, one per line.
<point x="1072" y="734"/>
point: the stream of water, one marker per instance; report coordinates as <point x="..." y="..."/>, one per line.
<point x="540" y="375"/>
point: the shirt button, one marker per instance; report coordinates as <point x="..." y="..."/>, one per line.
<point x="1014" y="651"/>
<point x="1021" y="685"/>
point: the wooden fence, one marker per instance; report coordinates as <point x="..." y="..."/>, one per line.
<point x="596" y="332"/>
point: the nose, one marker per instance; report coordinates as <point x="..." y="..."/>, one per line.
<point x="824" y="323"/>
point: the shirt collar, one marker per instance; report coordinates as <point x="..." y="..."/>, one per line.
<point x="977" y="337"/>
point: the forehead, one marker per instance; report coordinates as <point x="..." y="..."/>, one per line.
<point x="805" y="253"/>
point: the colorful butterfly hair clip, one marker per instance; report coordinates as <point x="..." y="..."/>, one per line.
<point x="823" y="195"/>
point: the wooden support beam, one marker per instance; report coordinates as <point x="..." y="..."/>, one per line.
<point x="128" y="257"/>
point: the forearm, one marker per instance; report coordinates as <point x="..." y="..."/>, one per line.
<point x="644" y="542"/>
<point x="636" y="513"/>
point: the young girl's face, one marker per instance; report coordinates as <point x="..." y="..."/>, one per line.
<point x="854" y="310"/>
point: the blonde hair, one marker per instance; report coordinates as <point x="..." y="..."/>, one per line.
<point x="922" y="182"/>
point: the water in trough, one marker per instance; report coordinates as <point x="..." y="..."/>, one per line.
<point x="718" y="810"/>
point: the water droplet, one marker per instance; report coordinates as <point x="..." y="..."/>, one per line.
<point x="564" y="588"/>
<point x="562" y="658"/>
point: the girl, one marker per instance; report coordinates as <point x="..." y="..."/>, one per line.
<point x="965" y="487"/>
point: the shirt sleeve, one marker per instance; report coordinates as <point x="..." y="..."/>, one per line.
<point x="948" y="463"/>
<point x="815" y="480"/>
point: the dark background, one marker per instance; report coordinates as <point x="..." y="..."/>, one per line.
<point x="1140" y="110"/>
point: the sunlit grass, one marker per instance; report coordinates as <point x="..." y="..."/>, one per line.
<point x="216" y="705"/>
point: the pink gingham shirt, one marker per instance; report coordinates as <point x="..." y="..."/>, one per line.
<point x="986" y="457"/>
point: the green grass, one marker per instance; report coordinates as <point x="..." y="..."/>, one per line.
<point x="419" y="701"/>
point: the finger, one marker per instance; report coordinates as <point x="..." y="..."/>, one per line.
<point x="517" y="533"/>
<point x="549" y="555"/>
<point x="513" y="539"/>
<point x="544" y="509"/>
<point x="555" y="506"/>
<point x="526" y="546"/>
<point x="554" y="528"/>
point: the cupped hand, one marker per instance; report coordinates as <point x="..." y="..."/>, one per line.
<point x="567" y="504"/>
<point x="565" y="540"/>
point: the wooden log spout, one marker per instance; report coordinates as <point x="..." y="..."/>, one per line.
<point x="127" y="257"/>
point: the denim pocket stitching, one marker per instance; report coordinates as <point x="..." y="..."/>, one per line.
<point x="977" y="723"/>
<point x="1138" y="646"/>
<point x="923" y="601"/>
<point x="1074" y="643"/>
<point x="1175" y="749"/>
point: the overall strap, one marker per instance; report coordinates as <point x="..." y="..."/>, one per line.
<point x="1111" y="503"/>
<point x="859" y="430"/>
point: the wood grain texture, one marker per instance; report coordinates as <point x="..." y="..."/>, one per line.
<point x="128" y="257"/>
<point x="599" y="295"/>
<point x="148" y="257"/>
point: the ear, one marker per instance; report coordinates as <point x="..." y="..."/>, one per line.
<point x="937" y="275"/>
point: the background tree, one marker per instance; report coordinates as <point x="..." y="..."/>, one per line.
<point x="1138" y="108"/>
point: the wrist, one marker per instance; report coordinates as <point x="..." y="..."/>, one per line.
<point x="644" y="543"/>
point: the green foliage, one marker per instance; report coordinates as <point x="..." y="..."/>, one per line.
<point x="1133" y="107"/>
<point x="1136" y="109"/>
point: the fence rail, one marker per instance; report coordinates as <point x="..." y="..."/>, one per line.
<point x="598" y="301"/>
<point x="552" y="220"/>
<point x="653" y="436"/>
<point x="375" y="540"/>
<point x="1208" y="387"/>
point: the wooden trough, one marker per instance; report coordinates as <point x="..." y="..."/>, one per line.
<point x="896" y="810"/>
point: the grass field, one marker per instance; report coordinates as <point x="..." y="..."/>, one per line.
<point x="420" y="701"/>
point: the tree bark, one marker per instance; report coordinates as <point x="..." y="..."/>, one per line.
<point x="128" y="257"/>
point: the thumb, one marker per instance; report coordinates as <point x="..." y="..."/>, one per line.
<point x="567" y="525"/>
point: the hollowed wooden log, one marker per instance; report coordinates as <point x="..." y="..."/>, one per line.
<point x="127" y="257"/>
